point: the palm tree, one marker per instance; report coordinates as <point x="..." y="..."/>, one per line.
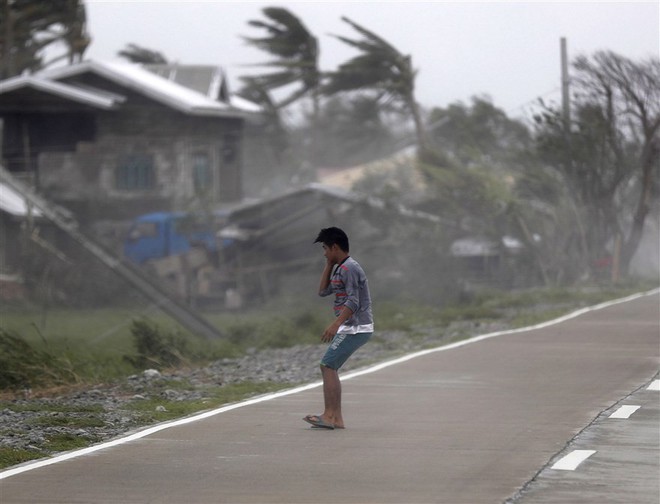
<point x="276" y="133"/>
<point x="297" y="51"/>
<point x="138" y="54"/>
<point x="75" y="34"/>
<point x="28" y="27"/>
<point x="381" y="67"/>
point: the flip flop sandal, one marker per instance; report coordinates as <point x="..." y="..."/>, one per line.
<point x="317" y="421"/>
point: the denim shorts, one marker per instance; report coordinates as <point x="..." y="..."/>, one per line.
<point x="342" y="347"/>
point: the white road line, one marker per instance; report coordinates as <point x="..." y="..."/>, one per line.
<point x="624" y="411"/>
<point x="655" y="385"/>
<point x="572" y="460"/>
<point x="28" y="466"/>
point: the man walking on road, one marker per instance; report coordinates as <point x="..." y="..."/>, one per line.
<point x="353" y="325"/>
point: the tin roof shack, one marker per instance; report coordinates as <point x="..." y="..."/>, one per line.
<point x="112" y="140"/>
<point x="483" y="262"/>
<point x="268" y="243"/>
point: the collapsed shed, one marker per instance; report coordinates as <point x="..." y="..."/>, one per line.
<point x="266" y="240"/>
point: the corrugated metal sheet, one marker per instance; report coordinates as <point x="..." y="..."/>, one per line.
<point x="188" y="97"/>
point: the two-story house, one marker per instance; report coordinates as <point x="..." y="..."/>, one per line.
<point x="111" y="140"/>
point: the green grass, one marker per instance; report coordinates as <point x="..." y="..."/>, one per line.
<point x="96" y="346"/>
<point x="66" y="442"/>
<point x="107" y="329"/>
<point x="150" y="413"/>
<point x="64" y="420"/>
<point x="12" y="456"/>
<point x="571" y="297"/>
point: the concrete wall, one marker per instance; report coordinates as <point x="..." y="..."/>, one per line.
<point x="85" y="180"/>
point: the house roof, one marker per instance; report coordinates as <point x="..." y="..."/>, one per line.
<point x="93" y="98"/>
<point x="138" y="79"/>
<point x="61" y="83"/>
<point x="209" y="80"/>
<point x="334" y="193"/>
<point x="205" y="79"/>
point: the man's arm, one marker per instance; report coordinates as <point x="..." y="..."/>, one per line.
<point x="332" y="329"/>
<point x="325" y="279"/>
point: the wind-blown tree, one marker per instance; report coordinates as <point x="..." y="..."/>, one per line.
<point x="609" y="157"/>
<point x="297" y="53"/>
<point x="273" y="127"/>
<point x="488" y="151"/>
<point x="546" y="220"/>
<point x="138" y="54"/>
<point x="28" y="27"/>
<point x="353" y="131"/>
<point x="74" y="34"/>
<point x="271" y="137"/>
<point x="479" y="134"/>
<point x="382" y="68"/>
<point x="297" y="64"/>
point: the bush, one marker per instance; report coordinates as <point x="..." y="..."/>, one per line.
<point x="155" y="349"/>
<point x="22" y="366"/>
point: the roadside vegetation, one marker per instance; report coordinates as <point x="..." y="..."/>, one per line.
<point x="31" y="359"/>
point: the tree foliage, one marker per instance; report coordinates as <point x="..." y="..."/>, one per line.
<point x="479" y="134"/>
<point x="296" y="51"/>
<point x="353" y="131"/>
<point x="28" y="27"/>
<point x="608" y="159"/>
<point x="380" y="67"/>
<point x="138" y="54"/>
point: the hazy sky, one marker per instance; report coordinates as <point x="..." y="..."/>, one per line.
<point x="508" y="50"/>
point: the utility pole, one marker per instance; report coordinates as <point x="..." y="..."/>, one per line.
<point x="565" y="86"/>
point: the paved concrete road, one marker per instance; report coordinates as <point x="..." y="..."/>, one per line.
<point x="472" y="424"/>
<point x="624" y="465"/>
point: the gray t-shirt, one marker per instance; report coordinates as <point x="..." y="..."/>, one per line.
<point x="349" y="284"/>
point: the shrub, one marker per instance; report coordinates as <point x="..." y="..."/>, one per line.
<point x="155" y="349"/>
<point x="22" y="366"/>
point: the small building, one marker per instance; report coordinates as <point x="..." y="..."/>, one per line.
<point x="111" y="140"/>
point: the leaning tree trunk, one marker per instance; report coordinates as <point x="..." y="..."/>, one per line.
<point x="650" y="158"/>
<point x="420" y="131"/>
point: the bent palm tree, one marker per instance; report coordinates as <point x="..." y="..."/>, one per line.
<point x="29" y="27"/>
<point x="138" y="54"/>
<point x="298" y="53"/>
<point x="382" y="67"/>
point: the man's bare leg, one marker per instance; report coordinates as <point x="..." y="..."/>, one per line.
<point x="332" y="397"/>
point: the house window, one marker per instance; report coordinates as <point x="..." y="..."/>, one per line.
<point x="135" y="172"/>
<point x="202" y="175"/>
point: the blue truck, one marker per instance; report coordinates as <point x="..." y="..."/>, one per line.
<point x="163" y="234"/>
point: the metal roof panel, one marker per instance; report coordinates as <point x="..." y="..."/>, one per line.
<point x="136" y="78"/>
<point x="67" y="91"/>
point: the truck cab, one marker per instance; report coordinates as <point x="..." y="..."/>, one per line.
<point x="164" y="234"/>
